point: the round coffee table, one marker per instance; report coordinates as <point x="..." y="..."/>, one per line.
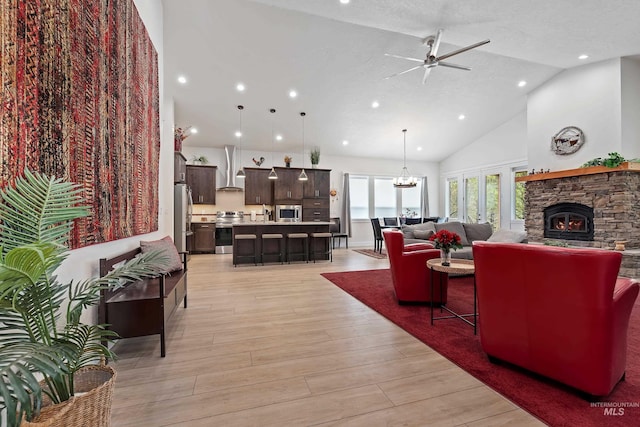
<point x="456" y="266"/>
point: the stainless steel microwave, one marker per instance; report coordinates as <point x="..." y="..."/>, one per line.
<point x="288" y="213"/>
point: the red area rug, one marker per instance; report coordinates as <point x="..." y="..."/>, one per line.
<point x="553" y="403"/>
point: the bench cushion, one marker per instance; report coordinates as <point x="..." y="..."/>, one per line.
<point x="168" y="250"/>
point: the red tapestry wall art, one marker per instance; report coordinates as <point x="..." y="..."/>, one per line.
<point x="80" y="101"/>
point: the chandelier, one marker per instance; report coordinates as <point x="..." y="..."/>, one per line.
<point x="405" y="180"/>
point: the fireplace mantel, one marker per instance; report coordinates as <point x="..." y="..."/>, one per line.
<point x="591" y="170"/>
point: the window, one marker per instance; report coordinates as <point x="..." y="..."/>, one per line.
<point x="452" y="198"/>
<point x="410" y="199"/>
<point x="359" y="196"/>
<point x="518" y="196"/>
<point x="384" y="195"/>
<point x="471" y="199"/>
<point x="492" y="200"/>
<point x="376" y="197"/>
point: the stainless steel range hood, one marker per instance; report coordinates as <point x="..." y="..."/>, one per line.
<point x="230" y="170"/>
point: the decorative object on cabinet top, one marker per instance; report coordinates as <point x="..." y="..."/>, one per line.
<point x="259" y="161"/>
<point x="179" y="135"/>
<point x="200" y="160"/>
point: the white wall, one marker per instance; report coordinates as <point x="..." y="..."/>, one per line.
<point x="83" y="263"/>
<point x="587" y="97"/>
<point x="630" y="107"/>
<point x="499" y="151"/>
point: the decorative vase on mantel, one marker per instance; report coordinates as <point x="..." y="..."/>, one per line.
<point x="314" y="165"/>
<point x="445" y="255"/>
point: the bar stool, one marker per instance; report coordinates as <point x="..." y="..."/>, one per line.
<point x="326" y="240"/>
<point x="246" y="237"/>
<point x="291" y="237"/>
<point x="273" y="236"/>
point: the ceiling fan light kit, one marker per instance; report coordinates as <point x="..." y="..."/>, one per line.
<point x="432" y="59"/>
<point x="405" y="180"/>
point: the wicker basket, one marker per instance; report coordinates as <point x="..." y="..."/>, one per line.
<point x="91" y="408"/>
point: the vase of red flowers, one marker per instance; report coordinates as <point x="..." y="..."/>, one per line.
<point x="446" y="240"/>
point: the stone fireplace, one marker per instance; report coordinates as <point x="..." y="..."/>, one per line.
<point x="588" y="207"/>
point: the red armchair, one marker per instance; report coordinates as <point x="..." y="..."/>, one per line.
<point x="409" y="272"/>
<point x="560" y="312"/>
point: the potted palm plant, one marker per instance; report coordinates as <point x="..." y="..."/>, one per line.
<point x="46" y="351"/>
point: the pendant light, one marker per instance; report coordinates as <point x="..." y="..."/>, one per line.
<point x="240" y="173"/>
<point x="405" y="180"/>
<point x="303" y="174"/>
<point x="272" y="174"/>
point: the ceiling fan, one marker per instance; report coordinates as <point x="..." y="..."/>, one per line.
<point x="432" y="59"/>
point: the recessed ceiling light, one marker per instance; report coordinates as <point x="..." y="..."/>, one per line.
<point x="238" y="134"/>
<point x="522" y="83"/>
<point x="419" y="148"/>
<point x="182" y="79"/>
<point x="278" y="137"/>
<point x="345" y="1"/>
<point x="583" y="56"/>
<point x="240" y="87"/>
<point x="461" y="117"/>
<point x="293" y="94"/>
<point x="375" y="104"/>
<point x="194" y="130"/>
<point x="345" y="142"/>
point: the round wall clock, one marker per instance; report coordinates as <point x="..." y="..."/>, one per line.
<point x="567" y="141"/>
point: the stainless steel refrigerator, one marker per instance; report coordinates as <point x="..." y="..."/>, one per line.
<point x="182" y="210"/>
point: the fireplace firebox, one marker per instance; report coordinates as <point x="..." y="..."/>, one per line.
<point x="568" y="221"/>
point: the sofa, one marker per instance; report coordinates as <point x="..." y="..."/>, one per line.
<point x="469" y="233"/>
<point x="409" y="273"/>
<point x="560" y="312"/>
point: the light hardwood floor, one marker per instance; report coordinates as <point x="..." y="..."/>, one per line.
<point x="279" y="345"/>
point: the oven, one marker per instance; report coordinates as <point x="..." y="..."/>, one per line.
<point x="288" y="213"/>
<point x="224" y="230"/>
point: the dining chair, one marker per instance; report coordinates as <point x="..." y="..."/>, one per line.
<point x="377" y="235"/>
<point x="334" y="228"/>
<point x="412" y="221"/>
<point x="390" y="220"/>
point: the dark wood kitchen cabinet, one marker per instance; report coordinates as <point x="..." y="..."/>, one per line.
<point x="179" y="167"/>
<point x="258" y="188"/>
<point x="202" y="180"/>
<point x="318" y="184"/>
<point x="204" y="237"/>
<point x="288" y="189"/>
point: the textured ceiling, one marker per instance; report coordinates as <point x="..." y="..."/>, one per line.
<point x="333" y="55"/>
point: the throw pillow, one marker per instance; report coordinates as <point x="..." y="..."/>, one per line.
<point x="477" y="231"/>
<point x="508" y="236"/>
<point x="168" y="250"/>
<point x="409" y="230"/>
<point x="423" y="234"/>
<point x="454" y="227"/>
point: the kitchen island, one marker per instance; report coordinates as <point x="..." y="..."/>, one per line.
<point x="242" y="249"/>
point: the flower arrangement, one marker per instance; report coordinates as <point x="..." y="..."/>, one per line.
<point x="288" y="159"/>
<point x="180" y="135"/>
<point x="445" y="241"/>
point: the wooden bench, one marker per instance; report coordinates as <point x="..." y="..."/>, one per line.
<point x="143" y="307"/>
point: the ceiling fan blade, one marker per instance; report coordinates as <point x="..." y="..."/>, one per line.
<point x="405" y="71"/>
<point x="450" y="65"/>
<point x="436" y="43"/>
<point x="404" y="57"/>
<point x="427" y="71"/>
<point x="464" y="49"/>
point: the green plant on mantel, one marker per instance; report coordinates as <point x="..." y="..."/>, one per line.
<point x="41" y="335"/>
<point x="614" y="160"/>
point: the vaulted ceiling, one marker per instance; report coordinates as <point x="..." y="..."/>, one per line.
<point x="333" y="56"/>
